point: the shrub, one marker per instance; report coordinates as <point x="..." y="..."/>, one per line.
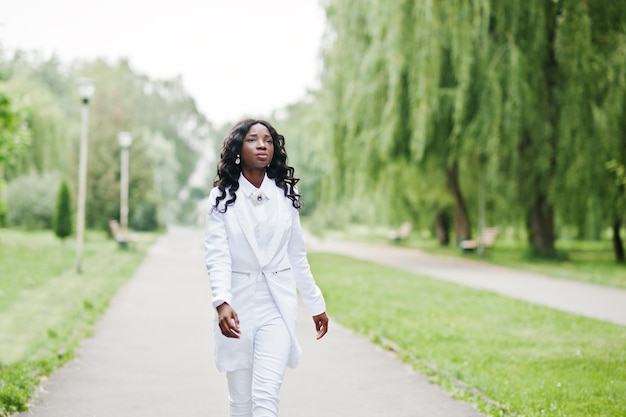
<point x="62" y="222"/>
<point x="3" y="212"/>
<point x="30" y="201"/>
<point x="144" y="216"/>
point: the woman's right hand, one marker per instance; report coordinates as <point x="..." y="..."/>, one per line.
<point x="228" y="321"/>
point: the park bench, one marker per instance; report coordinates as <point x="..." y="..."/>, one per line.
<point x="121" y="238"/>
<point x="487" y="238"/>
<point x="402" y="233"/>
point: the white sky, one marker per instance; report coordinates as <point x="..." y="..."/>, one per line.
<point x="236" y="57"/>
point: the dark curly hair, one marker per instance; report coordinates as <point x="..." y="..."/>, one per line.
<point x="228" y="172"/>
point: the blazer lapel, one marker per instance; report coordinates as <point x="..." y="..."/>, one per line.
<point x="247" y="226"/>
<point x="282" y="221"/>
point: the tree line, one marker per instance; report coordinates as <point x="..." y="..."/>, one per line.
<point x="39" y="140"/>
<point x="426" y="108"/>
<point x="446" y="114"/>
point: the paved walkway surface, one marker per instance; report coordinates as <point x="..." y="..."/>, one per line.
<point x="598" y="302"/>
<point x="152" y="354"/>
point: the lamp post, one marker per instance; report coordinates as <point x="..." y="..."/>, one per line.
<point x="125" y="139"/>
<point x="86" y="88"/>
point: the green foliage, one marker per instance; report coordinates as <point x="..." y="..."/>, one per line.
<point x="145" y="216"/>
<point x="14" y="135"/>
<point x="31" y="201"/>
<point x="3" y="211"/>
<point x="475" y="344"/>
<point x="168" y="130"/>
<point x="49" y="148"/>
<point x="619" y="171"/>
<point x="421" y="102"/>
<point x="17" y="381"/>
<point x="62" y="221"/>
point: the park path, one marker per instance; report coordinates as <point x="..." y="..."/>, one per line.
<point x="594" y="301"/>
<point x="151" y="355"/>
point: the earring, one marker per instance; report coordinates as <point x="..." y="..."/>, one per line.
<point x="237" y="161"/>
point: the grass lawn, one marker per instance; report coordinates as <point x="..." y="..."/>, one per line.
<point x="506" y="356"/>
<point x="46" y="308"/>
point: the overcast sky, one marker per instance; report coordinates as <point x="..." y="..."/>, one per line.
<point x="236" y="57"/>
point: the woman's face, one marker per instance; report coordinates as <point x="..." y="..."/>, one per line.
<point x="257" y="149"/>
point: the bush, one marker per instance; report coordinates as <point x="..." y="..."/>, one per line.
<point x="144" y="216"/>
<point x="30" y="201"/>
<point x="3" y="212"/>
<point x="62" y="222"/>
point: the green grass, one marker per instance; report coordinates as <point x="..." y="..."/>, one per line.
<point x="46" y="308"/>
<point x="18" y="249"/>
<point x="506" y="356"/>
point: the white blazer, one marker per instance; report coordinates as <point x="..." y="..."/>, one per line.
<point x="234" y="262"/>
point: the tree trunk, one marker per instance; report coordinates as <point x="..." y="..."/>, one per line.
<point x="540" y="225"/>
<point x="618" y="245"/>
<point x="442" y="228"/>
<point x="461" y="219"/>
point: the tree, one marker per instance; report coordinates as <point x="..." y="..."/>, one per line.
<point x="14" y="139"/>
<point x="14" y="134"/>
<point x="527" y="99"/>
<point x="62" y="221"/>
<point x="619" y="173"/>
<point x="154" y="111"/>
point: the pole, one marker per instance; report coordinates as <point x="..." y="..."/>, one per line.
<point x="82" y="187"/>
<point x="124" y="191"/>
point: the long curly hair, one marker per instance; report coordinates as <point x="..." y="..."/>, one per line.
<point x="228" y="172"/>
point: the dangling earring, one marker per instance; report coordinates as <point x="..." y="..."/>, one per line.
<point x="237" y="161"/>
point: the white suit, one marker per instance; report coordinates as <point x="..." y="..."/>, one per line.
<point x="235" y="260"/>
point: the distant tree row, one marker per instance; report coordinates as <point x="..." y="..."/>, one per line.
<point x="39" y="137"/>
<point x="425" y="106"/>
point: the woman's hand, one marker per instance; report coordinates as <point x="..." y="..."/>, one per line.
<point x="228" y="321"/>
<point x="321" y="324"/>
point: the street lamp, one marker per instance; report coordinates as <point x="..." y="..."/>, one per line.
<point x="86" y="88"/>
<point x="125" y="139"/>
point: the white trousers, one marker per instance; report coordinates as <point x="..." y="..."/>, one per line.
<point x="254" y="392"/>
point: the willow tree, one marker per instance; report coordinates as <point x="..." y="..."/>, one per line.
<point x="41" y="87"/>
<point x="559" y="63"/>
<point x="14" y="135"/>
<point x="590" y="45"/>
<point x="526" y="97"/>
<point x="14" y="140"/>
<point x="402" y="90"/>
<point x="455" y="102"/>
<point x="352" y="100"/>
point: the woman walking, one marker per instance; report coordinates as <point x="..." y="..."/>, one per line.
<point x="256" y="259"/>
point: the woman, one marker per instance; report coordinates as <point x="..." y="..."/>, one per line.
<point x="257" y="263"/>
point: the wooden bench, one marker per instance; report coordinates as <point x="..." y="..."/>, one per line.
<point x="487" y="238"/>
<point x="121" y="238"/>
<point x="402" y="233"/>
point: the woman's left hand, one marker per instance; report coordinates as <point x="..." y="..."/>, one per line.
<point x="321" y="325"/>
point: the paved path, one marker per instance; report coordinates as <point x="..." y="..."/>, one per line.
<point x="151" y="355"/>
<point x="602" y="303"/>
